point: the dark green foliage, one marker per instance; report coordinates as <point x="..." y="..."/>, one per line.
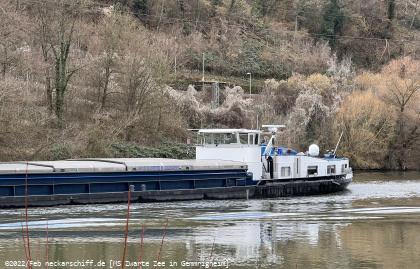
<point x="231" y="6"/>
<point x="414" y="22"/>
<point x="390" y="9"/>
<point x="55" y="152"/>
<point x="264" y="8"/>
<point x="181" y="5"/>
<point x="140" y="7"/>
<point x="333" y="21"/>
<point x="214" y="5"/>
<point x="214" y="60"/>
<point x="260" y="7"/>
<point x="308" y="15"/>
<point x="275" y="69"/>
<point x="249" y="59"/>
<point x="164" y="150"/>
<point x="284" y="99"/>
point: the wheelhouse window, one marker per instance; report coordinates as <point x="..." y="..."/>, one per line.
<point x="243" y="138"/>
<point x="343" y="167"/>
<point x="218" y="138"/>
<point x="285" y="172"/>
<point x="331" y="169"/>
<point x="253" y="139"/>
<point x="229" y="138"/>
<point x="312" y="170"/>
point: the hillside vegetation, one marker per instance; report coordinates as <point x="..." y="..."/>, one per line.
<point x="86" y="78"/>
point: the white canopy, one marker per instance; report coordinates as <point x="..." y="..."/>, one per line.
<point x="227" y="131"/>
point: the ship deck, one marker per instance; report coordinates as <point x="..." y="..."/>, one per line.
<point x="88" y="176"/>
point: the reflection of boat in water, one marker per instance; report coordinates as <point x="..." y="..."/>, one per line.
<point x="230" y="164"/>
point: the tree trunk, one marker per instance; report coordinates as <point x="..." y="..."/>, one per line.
<point x="105" y="89"/>
<point x="415" y="14"/>
<point x="59" y="105"/>
<point x="60" y="86"/>
<point x="397" y="148"/>
<point x="49" y="92"/>
<point x="3" y="70"/>
<point x="4" y="65"/>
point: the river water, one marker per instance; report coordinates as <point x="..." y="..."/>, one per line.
<point x="375" y="224"/>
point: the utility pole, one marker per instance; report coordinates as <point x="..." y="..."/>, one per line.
<point x="258" y="127"/>
<point x="250" y="83"/>
<point x="203" y="73"/>
<point x="216" y="95"/>
<point x="175" y="65"/>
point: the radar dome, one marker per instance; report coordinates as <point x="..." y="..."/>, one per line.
<point x="313" y="150"/>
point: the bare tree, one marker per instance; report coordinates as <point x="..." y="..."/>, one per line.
<point x="367" y="124"/>
<point x="42" y="32"/>
<point x="138" y="86"/>
<point x="401" y="91"/>
<point x="57" y="21"/>
<point x="9" y="38"/>
<point x="114" y="36"/>
<point x="401" y="87"/>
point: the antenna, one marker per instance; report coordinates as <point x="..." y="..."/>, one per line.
<point x="336" y="146"/>
<point x="273" y="127"/>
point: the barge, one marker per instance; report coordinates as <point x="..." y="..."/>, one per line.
<point x="229" y="164"/>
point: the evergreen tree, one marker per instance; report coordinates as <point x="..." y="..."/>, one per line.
<point x="333" y="21"/>
<point x="232" y="5"/>
<point x="214" y="5"/>
<point x="140" y="7"/>
<point x="390" y="9"/>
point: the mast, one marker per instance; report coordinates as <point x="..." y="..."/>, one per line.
<point x="273" y="129"/>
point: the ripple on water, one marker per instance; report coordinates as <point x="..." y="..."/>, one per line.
<point x="382" y="210"/>
<point x="64" y="223"/>
<point x="245" y="215"/>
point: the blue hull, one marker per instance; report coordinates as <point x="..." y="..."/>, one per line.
<point x="90" y="188"/>
<point x="13" y="185"/>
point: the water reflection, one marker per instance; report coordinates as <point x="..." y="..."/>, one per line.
<point x="373" y="225"/>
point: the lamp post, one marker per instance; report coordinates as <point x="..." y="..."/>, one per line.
<point x="203" y="67"/>
<point x="203" y="74"/>
<point x="250" y="83"/>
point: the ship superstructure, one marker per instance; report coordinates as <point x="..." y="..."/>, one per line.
<point x="265" y="160"/>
